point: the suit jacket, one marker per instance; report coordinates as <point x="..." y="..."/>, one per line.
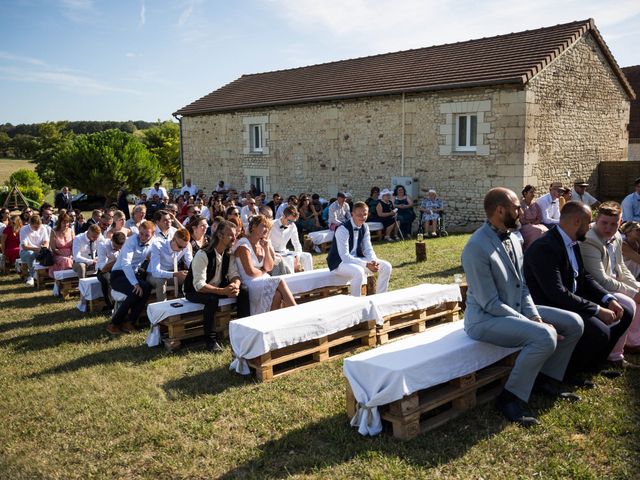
<point x="496" y="287"/>
<point x="598" y="263"/>
<point x="549" y="275"/>
<point x="62" y="201"/>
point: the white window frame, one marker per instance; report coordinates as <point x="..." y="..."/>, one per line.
<point x="258" y="181"/>
<point x="469" y="137"/>
<point x="256" y="137"/>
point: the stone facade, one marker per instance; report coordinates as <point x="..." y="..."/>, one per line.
<point x="634" y="152"/>
<point x="569" y="117"/>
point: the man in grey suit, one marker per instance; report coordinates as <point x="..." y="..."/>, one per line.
<point x="500" y="310"/>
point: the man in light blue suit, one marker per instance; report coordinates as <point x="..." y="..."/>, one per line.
<point x="500" y="310"/>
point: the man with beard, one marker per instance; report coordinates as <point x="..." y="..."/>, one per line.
<point x="555" y="273"/>
<point x="500" y="311"/>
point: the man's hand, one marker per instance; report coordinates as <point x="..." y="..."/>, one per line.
<point x="550" y="326"/>
<point x="607" y="316"/>
<point x="616" y="308"/>
<point x="181" y="275"/>
<point x="231" y="290"/>
<point x="137" y="290"/>
<point x="373" y="266"/>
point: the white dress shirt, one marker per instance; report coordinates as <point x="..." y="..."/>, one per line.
<point x="33" y="238"/>
<point x="164" y="260"/>
<point x="246" y="212"/>
<point x="280" y="236"/>
<point x="106" y="254"/>
<point x="586" y="198"/>
<point x="199" y="269"/>
<point x="85" y="250"/>
<point x="161" y="192"/>
<point x="631" y="208"/>
<point x="342" y="242"/>
<point x="161" y="237"/>
<point x="339" y="214"/>
<point x="191" y="190"/>
<point x="550" y="209"/>
<point x="280" y="209"/>
<point x="133" y="253"/>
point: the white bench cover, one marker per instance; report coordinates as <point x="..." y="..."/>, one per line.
<point x="89" y="290"/>
<point x="385" y="374"/>
<point x="413" y="298"/>
<point x="256" y="335"/>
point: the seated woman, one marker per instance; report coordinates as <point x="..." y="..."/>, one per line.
<point x="431" y="209"/>
<point x="119" y="220"/>
<point x="254" y="256"/>
<point x="138" y="215"/>
<point x="387" y="215"/>
<point x="372" y="203"/>
<point x="308" y="220"/>
<point x="530" y="217"/>
<point x="406" y="215"/>
<point x="61" y="244"/>
<point x="10" y="239"/>
<point x="631" y="247"/>
<point x="197" y="228"/>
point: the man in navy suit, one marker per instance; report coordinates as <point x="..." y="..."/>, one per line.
<point x="555" y="273"/>
<point x="500" y="310"/>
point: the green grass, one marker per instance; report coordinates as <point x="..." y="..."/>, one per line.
<point x="75" y="403"/>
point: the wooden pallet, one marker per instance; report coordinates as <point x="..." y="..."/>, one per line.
<point x="179" y="328"/>
<point x="306" y="354"/>
<point x="96" y="305"/>
<point x="429" y="408"/>
<point x="23" y="272"/>
<point x="68" y="287"/>
<point x="409" y="323"/>
<point x="42" y="278"/>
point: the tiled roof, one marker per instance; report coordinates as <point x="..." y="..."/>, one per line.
<point x="633" y="75"/>
<point x="506" y="59"/>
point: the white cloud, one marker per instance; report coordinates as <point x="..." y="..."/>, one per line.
<point x="143" y="14"/>
<point x="80" y="11"/>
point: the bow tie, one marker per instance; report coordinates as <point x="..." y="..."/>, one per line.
<point x="284" y="227"/>
<point x="143" y="245"/>
<point x="357" y="229"/>
<point x="504" y="236"/>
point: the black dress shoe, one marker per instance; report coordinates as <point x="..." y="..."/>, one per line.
<point x="580" y="382"/>
<point x="611" y="373"/>
<point x="555" y="391"/>
<point x="509" y="405"/>
<point x="214" y="347"/>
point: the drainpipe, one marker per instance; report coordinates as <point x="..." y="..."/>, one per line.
<point x="402" y="143"/>
<point x="179" y="118"/>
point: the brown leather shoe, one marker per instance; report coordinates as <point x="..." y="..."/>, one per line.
<point x="128" y="327"/>
<point x="632" y="350"/>
<point x="113" y="330"/>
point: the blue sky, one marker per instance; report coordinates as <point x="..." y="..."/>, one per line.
<point x="144" y="59"/>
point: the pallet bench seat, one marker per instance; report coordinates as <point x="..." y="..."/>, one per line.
<point x="42" y="277"/>
<point x="90" y="295"/>
<point x="412" y="310"/>
<point x="68" y="283"/>
<point x="422" y="381"/>
<point x="283" y="341"/>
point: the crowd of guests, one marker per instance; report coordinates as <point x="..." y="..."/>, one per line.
<point x="559" y="281"/>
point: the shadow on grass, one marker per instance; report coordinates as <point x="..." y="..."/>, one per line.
<point x="46" y="319"/>
<point x="210" y="382"/>
<point x="442" y="273"/>
<point x="28" y="302"/>
<point x="332" y="442"/>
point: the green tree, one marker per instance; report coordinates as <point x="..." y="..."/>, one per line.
<point x="100" y="163"/>
<point x="53" y="138"/>
<point x="163" y="141"/>
<point x="29" y="184"/>
<point x="5" y="144"/>
<point x="24" y="146"/>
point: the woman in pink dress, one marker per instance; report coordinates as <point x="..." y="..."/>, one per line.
<point x="530" y="217"/>
<point x="61" y="244"/>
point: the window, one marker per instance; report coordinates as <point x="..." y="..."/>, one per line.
<point x="466" y="132"/>
<point x="258" y="182"/>
<point x="255" y="138"/>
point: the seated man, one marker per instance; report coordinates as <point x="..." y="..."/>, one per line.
<point x="292" y="200"/>
<point x="188" y="188"/>
<point x="550" y="205"/>
<point x="163" y="266"/>
<point x="159" y="191"/>
<point x="107" y="256"/>
<point x="284" y="230"/>
<point x="500" y="310"/>
<point x="128" y="276"/>
<point x="164" y="231"/>
<point x="339" y="212"/>
<point x="274" y="204"/>
<point x="351" y="254"/>
<point x="106" y="220"/>
<point x="580" y="194"/>
<point x="85" y="250"/>
<point x="602" y="254"/>
<point x="631" y="204"/>
<point x="33" y="237"/>
<point x="250" y="209"/>
<point x="46" y="215"/>
<point x="154" y="205"/>
<point x="94" y="220"/>
<point x="213" y="275"/>
<point x="556" y="277"/>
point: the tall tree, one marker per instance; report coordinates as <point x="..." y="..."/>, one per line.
<point x="53" y="137"/>
<point x="24" y="146"/>
<point x="163" y="140"/>
<point x="100" y="163"/>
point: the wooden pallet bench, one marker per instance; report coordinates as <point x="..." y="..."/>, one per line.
<point x="283" y="341"/>
<point x="306" y="354"/>
<point x="398" y="325"/>
<point x="432" y="407"/>
<point x="42" y="276"/>
<point x="423" y="381"/>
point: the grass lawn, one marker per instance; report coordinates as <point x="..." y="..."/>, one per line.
<point x="75" y="403"/>
<point x="10" y="165"/>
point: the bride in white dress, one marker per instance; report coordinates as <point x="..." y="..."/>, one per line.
<point x="254" y="256"/>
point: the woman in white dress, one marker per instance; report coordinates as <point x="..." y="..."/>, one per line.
<point x="254" y="256"/>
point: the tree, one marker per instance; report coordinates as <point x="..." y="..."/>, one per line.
<point x="29" y="184"/>
<point x="5" y="144"/>
<point x="163" y="141"/>
<point x="101" y="163"/>
<point x="24" y="146"/>
<point x="53" y="138"/>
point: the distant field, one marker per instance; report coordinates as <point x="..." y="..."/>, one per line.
<point x="10" y="165"/>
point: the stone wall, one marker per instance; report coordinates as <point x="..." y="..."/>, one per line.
<point x="577" y="116"/>
<point x="634" y="152"/>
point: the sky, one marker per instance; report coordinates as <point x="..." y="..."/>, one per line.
<point x="145" y="59"/>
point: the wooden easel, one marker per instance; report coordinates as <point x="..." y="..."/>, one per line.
<point x="18" y="198"/>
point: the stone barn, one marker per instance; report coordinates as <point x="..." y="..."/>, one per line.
<point x="525" y="108"/>
<point x="633" y="76"/>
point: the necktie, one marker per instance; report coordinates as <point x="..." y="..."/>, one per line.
<point x="91" y="253"/>
<point x="284" y="227"/>
<point x="508" y="246"/>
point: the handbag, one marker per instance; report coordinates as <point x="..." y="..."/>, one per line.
<point x="45" y="257"/>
